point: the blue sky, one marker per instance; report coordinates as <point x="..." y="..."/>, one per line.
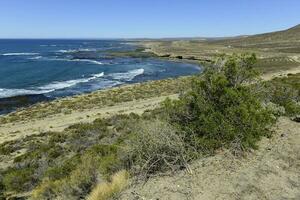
<point x="144" y="18"/>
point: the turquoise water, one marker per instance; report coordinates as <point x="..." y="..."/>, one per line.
<point x="59" y="68"/>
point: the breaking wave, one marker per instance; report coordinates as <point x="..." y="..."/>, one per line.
<point x="4" y="93"/>
<point x="20" y="54"/>
<point x="127" y="76"/>
<point x="66" y="59"/>
<point x="74" y="50"/>
<point x="65" y="84"/>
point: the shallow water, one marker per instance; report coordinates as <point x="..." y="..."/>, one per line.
<point x="59" y="68"/>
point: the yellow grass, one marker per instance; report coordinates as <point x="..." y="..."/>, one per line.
<point x="104" y="191"/>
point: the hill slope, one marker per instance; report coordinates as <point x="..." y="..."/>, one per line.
<point x="282" y="38"/>
<point x="272" y="172"/>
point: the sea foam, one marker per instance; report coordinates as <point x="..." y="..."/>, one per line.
<point x="20" y="54"/>
<point x="74" y="60"/>
<point x="4" y="92"/>
<point x="127" y="76"/>
<point x="57" y="85"/>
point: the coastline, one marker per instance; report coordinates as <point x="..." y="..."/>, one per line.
<point x="109" y="98"/>
<point x="19" y="102"/>
<point x="56" y="116"/>
<point x="60" y="113"/>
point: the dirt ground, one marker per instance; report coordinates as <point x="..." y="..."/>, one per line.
<point x="272" y="172"/>
<point x="59" y="122"/>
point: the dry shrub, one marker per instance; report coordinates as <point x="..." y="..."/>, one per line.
<point x="77" y="184"/>
<point x="155" y="147"/>
<point x="107" y="190"/>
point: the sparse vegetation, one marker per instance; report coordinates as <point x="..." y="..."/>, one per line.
<point x="223" y="108"/>
<point x="99" y="99"/>
<point x="285" y="92"/>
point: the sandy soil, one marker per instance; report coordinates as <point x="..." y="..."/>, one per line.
<point x="270" y="76"/>
<point x="270" y="173"/>
<point x="13" y="131"/>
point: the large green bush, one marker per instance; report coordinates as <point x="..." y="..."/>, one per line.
<point x="221" y="109"/>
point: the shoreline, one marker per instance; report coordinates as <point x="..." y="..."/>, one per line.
<point x="85" y="107"/>
<point x="19" y="102"/>
<point x="99" y="98"/>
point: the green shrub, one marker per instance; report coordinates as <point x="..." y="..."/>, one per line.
<point x="76" y="177"/>
<point x="76" y="185"/>
<point x="62" y="170"/>
<point x="221" y="109"/>
<point x="19" y="180"/>
<point x="109" y="162"/>
<point x="284" y="95"/>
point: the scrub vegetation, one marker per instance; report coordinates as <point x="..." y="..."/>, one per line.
<point x="226" y="107"/>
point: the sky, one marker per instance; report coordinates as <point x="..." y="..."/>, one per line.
<point x="144" y="18"/>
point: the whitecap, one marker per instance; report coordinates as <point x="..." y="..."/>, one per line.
<point x="75" y="60"/>
<point x="128" y="76"/>
<point x="36" y="58"/>
<point x="67" y="51"/>
<point x="87" y="49"/>
<point x="87" y="60"/>
<point x="57" y="85"/>
<point x="4" y="92"/>
<point x="74" y="50"/>
<point x="20" y="54"/>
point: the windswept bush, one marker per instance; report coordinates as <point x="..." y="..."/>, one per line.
<point x="221" y="109"/>
<point x="155" y="147"/>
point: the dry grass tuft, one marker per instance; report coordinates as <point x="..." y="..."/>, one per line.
<point x="104" y="191"/>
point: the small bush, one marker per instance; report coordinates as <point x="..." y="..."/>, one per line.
<point x="19" y="180"/>
<point x="77" y="176"/>
<point x="62" y="170"/>
<point x="155" y="147"/>
<point x="75" y="186"/>
<point x="284" y="95"/>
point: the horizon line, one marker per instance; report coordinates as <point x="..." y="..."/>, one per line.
<point x="143" y="38"/>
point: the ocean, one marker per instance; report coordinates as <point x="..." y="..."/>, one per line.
<point x="59" y="68"/>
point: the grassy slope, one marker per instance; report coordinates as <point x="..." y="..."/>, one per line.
<point x="277" y="51"/>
